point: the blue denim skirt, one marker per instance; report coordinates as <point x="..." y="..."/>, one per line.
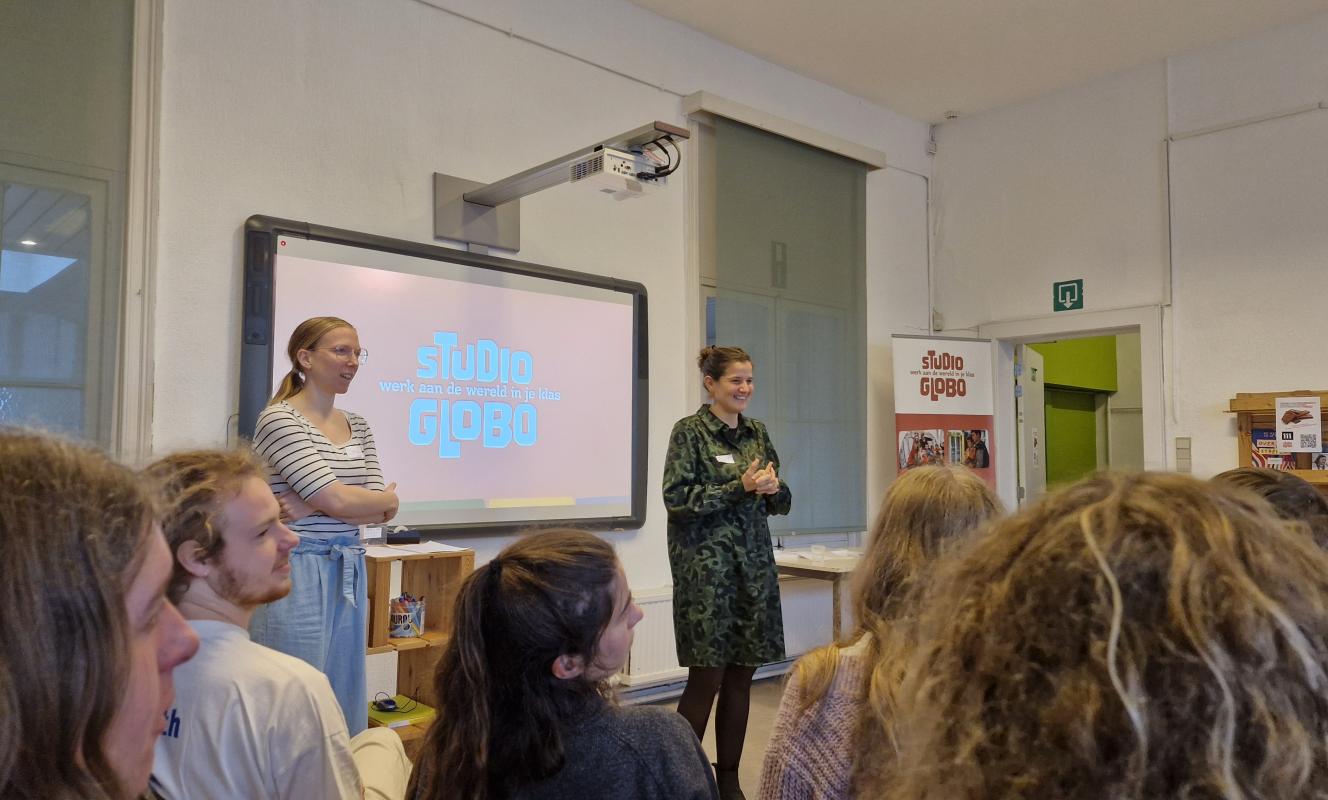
<point x="322" y="620"/>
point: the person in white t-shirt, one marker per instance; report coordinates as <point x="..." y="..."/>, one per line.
<point x="249" y="721"/>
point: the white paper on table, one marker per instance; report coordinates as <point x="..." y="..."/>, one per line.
<point x="428" y="547"/>
<point x="381" y="551"/>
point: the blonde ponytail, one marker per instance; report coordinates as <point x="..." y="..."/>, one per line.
<point x="290" y="386"/>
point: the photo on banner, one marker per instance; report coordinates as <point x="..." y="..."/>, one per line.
<point x="943" y="403"/>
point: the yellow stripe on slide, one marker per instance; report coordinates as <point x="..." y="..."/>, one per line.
<point x="521" y="502"/>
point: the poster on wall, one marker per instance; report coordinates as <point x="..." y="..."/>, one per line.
<point x="1263" y="451"/>
<point x="1298" y="425"/>
<point x="943" y="403"/>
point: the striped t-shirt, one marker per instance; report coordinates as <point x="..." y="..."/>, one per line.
<point x="300" y="457"/>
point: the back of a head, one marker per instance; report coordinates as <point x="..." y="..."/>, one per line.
<point x="1292" y="497"/>
<point x="926" y="510"/>
<point x="72" y="529"/>
<point x="1141" y="635"/>
<point x="500" y="706"/>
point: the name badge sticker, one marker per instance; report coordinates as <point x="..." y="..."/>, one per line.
<point x="727" y="458"/>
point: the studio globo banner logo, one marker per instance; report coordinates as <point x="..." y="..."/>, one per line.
<point x="943" y="376"/>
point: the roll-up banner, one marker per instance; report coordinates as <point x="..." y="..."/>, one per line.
<point x="943" y="403"/>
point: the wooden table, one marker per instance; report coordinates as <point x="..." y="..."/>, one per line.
<point x="832" y="568"/>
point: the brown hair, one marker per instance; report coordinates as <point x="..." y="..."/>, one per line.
<point x="73" y="530"/>
<point x="500" y="708"/>
<point x="713" y="360"/>
<point x="926" y="510"/>
<point x="193" y="487"/>
<point x="1293" y="498"/>
<point x="1141" y="635"/>
<point x="304" y="337"/>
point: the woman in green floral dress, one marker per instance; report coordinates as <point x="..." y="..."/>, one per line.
<point x="721" y="481"/>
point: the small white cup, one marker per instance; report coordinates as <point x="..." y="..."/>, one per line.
<point x="818" y="552"/>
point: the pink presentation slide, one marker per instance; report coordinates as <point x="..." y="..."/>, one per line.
<point x="478" y="396"/>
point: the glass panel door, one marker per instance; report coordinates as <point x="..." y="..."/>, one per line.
<point x="56" y="357"/>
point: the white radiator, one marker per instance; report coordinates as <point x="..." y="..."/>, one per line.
<point x="654" y="658"/>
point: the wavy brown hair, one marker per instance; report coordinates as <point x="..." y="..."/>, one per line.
<point x="73" y="529"/>
<point x="304" y="337"/>
<point x="1292" y="497"/>
<point x="500" y="708"/>
<point x="193" y="488"/>
<point x="925" y="511"/>
<point x="1130" y="636"/>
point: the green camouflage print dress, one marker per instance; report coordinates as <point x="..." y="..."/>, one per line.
<point x="725" y="590"/>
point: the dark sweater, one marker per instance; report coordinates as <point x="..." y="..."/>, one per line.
<point x="640" y="753"/>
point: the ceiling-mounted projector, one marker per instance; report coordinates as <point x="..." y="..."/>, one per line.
<point x="623" y="166"/>
<point x="617" y="173"/>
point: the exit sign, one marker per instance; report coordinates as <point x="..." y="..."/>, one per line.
<point x="1067" y="295"/>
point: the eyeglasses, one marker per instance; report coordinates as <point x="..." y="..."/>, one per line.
<point x="343" y="352"/>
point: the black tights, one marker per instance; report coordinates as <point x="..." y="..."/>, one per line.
<point x="733" y="683"/>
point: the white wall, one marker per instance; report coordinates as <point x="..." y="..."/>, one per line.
<point x="1075" y="184"/>
<point x="1251" y="273"/>
<point x="896" y="303"/>
<point x="339" y="111"/>
<point x="1071" y="185"/>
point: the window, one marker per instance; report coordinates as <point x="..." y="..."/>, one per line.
<point x="783" y="271"/>
<point x="55" y="357"/>
<point x="65" y="92"/>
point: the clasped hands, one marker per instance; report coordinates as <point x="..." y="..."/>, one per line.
<point x="761" y="480"/>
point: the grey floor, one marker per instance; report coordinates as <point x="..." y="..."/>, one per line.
<point x="765" y="704"/>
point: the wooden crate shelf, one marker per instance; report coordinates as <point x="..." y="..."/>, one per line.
<point x="1259" y="410"/>
<point x="435" y="577"/>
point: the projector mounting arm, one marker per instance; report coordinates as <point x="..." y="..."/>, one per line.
<point x="490" y="214"/>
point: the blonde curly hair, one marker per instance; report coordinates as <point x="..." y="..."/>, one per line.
<point x="1131" y="636"/>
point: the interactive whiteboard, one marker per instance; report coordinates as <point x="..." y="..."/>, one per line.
<point x="500" y="393"/>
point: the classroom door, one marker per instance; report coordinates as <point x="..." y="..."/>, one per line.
<point x="1071" y="434"/>
<point x="1031" y="418"/>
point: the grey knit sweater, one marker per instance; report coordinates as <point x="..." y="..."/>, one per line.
<point x="642" y="753"/>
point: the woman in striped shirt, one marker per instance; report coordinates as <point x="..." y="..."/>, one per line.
<point x="324" y="471"/>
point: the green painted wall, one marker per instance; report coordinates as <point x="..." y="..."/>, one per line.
<point x="1088" y="364"/>
<point x="1071" y="435"/>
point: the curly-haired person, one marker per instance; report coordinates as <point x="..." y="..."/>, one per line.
<point x="1131" y="636"/>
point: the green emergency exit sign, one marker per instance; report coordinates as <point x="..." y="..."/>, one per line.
<point x="1067" y="295"/>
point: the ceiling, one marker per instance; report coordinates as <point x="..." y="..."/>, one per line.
<point x="42" y="232"/>
<point x="924" y="58"/>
